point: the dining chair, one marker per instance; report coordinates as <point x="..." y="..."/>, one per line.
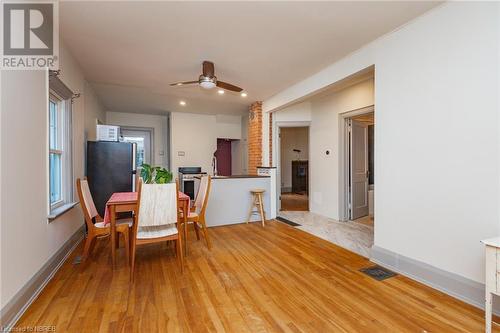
<point x="96" y="227"/>
<point x="196" y="215"/>
<point x="157" y="219"/>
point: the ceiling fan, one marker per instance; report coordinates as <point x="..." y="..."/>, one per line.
<point x="208" y="80"/>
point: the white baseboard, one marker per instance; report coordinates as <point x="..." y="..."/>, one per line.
<point x="15" y="308"/>
<point x="469" y="291"/>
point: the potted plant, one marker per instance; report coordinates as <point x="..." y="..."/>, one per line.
<point x="155" y="175"/>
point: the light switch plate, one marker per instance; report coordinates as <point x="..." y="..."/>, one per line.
<point x="181" y="153"/>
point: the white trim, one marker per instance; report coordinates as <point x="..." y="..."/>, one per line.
<point x="151" y="131"/>
<point x="277" y="125"/>
<point x="15" y="308"/>
<point x="452" y="284"/>
<point x="265" y="140"/>
<point x="343" y="175"/>
<point x="64" y="148"/>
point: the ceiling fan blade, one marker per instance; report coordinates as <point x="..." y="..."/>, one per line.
<point x="208" y="69"/>
<point x="183" y="83"/>
<point x="228" y="86"/>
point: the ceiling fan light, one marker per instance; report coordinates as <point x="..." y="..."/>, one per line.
<point x="207" y="84"/>
<point x="244" y="94"/>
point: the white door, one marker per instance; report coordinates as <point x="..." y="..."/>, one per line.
<point x="143" y="140"/>
<point x="358" y="169"/>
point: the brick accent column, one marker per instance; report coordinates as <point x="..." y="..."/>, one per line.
<point x="255" y="138"/>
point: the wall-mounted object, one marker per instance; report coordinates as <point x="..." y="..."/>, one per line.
<point x="181" y="153"/>
<point x="107" y="132"/>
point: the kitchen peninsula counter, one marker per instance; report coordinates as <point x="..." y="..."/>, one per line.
<point x="230" y="199"/>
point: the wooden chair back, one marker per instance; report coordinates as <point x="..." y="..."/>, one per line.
<point x="202" y="196"/>
<point x="156" y="206"/>
<point x="138" y="179"/>
<point x="86" y="201"/>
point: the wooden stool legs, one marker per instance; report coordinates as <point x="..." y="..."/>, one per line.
<point x="261" y="207"/>
<point x="257" y="203"/>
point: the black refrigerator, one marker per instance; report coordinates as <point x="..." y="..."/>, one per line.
<point x="110" y="168"/>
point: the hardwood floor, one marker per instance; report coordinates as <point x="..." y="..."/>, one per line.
<point x="294" y="202"/>
<point x="255" y="279"/>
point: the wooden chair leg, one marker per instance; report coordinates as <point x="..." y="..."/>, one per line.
<point x="126" y="236"/>
<point x="117" y="240"/>
<point x="92" y="245"/>
<point x="132" y="260"/>
<point x="131" y="237"/>
<point x="185" y="236"/>
<point x="178" y="246"/>
<point x="205" y="233"/>
<point x="86" y="247"/>
<point x="197" y="230"/>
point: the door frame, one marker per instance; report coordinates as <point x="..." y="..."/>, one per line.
<point x="277" y="155"/>
<point x="151" y="131"/>
<point x="344" y="159"/>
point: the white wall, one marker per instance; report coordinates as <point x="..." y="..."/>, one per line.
<point x="156" y="122"/>
<point x="196" y="135"/>
<point x="437" y="138"/>
<point x="324" y="169"/>
<point x="292" y="138"/>
<point x="297" y="112"/>
<point x="239" y="150"/>
<point x="228" y="127"/>
<point x="94" y="111"/>
<point x="323" y="115"/>
<point x="27" y="240"/>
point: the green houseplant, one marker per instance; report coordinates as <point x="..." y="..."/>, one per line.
<point x="155" y="175"/>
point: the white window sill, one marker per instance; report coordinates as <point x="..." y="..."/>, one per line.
<point x="56" y="212"/>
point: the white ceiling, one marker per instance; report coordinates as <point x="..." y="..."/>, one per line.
<point x="131" y="51"/>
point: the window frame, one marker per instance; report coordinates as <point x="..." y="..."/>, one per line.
<point x="59" y="147"/>
<point x="63" y="148"/>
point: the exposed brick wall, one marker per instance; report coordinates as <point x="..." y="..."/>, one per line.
<point x="255" y="138"/>
<point x="270" y="139"/>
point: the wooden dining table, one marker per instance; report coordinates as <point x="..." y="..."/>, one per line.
<point x="127" y="202"/>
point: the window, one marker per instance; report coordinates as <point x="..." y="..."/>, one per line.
<point x="56" y="151"/>
<point x="60" y="157"/>
<point x="142" y="137"/>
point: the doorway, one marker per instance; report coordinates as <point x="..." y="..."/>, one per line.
<point x="294" y="168"/>
<point x="360" y="167"/>
<point x="142" y="137"/>
<point x="223" y="154"/>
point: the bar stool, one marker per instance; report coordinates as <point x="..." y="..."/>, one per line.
<point x="257" y="203"/>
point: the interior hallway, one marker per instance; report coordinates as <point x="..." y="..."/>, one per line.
<point x="294" y="202"/>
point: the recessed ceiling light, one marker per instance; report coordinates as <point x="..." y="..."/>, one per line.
<point x="244" y="94"/>
<point x="221" y="92"/>
<point x="182" y="103"/>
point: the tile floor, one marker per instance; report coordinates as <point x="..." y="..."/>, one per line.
<point x="356" y="236"/>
